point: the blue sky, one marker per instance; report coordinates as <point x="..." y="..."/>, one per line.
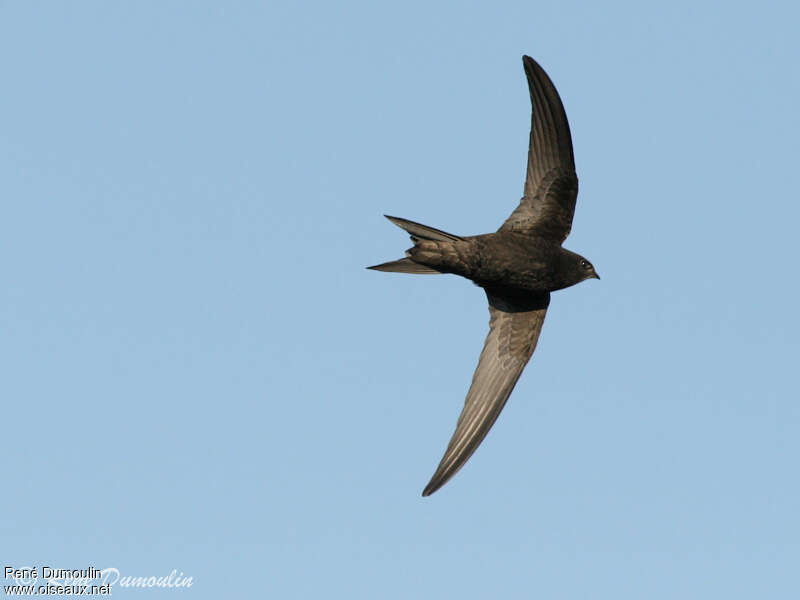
<point x="199" y="374"/>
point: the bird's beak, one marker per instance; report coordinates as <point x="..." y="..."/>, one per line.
<point x="596" y="276"/>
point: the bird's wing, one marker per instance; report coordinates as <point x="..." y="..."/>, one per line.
<point x="514" y="327"/>
<point x="551" y="185"/>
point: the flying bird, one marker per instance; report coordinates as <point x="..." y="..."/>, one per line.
<point x="517" y="266"/>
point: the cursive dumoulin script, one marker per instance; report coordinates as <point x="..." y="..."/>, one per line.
<point x="112" y="576"/>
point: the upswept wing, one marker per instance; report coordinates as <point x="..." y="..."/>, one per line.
<point x="514" y="328"/>
<point x="551" y="185"/>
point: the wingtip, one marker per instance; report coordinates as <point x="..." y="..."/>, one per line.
<point x="530" y="66"/>
<point x="395" y="220"/>
<point x="436" y="482"/>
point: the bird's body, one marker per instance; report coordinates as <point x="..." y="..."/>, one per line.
<point x="518" y="266"/>
<point x="510" y="259"/>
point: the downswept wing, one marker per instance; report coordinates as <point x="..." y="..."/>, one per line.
<point x="513" y="332"/>
<point x="551" y="185"/>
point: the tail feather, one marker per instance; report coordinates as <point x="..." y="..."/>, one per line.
<point x="405" y="265"/>
<point x="422" y="235"/>
<point x="423" y="232"/>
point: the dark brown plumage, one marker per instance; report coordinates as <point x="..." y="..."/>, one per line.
<point x="518" y="266"/>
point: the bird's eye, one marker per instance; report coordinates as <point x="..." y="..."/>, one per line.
<point x="584" y="264"/>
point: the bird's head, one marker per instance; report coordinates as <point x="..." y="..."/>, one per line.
<point x="572" y="269"/>
<point x="586" y="269"/>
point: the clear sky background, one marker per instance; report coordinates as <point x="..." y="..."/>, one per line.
<point x="199" y="374"/>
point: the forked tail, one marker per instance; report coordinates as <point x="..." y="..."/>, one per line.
<point x="418" y="232"/>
